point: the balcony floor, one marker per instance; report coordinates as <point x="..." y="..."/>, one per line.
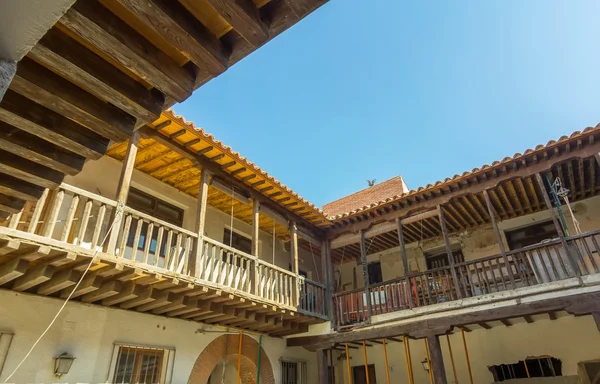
<point x="44" y="266"/>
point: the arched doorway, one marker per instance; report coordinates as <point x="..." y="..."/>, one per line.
<point x="221" y="357"/>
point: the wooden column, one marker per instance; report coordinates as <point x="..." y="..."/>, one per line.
<point x="201" y="209"/>
<point x="365" y="270"/>
<point x="490" y="209"/>
<point x="327" y="271"/>
<point x="123" y="188"/>
<point x="449" y="252"/>
<point x="559" y="228"/>
<point x="436" y="361"/>
<point x="405" y="261"/>
<point x="597" y="156"/>
<point x="255" y="242"/>
<point x="294" y="248"/>
<point x="322" y="366"/>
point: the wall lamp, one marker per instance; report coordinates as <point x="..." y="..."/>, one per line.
<point x="62" y="364"/>
<point x="425" y="364"/>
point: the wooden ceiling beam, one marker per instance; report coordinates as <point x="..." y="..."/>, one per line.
<point x="76" y="63"/>
<point x="11" y="204"/>
<point x="61" y="96"/>
<point x="11" y="186"/>
<point x="29" y="171"/>
<point x="513" y="193"/>
<point x="98" y="26"/>
<point x="173" y="22"/>
<point x="38" y="120"/>
<point x="521" y="190"/>
<point x="484" y="325"/>
<point x="479" y="219"/>
<point x="245" y="18"/>
<point x="41" y="151"/>
<point x="532" y="193"/>
<point x="500" y="210"/>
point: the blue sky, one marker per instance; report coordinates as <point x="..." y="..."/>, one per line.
<point x="426" y="89"/>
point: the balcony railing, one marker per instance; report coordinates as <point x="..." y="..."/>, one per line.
<point x="534" y="265"/>
<point x="77" y="219"/>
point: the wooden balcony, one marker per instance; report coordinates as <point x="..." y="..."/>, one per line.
<point x="526" y="267"/>
<point x="151" y="266"/>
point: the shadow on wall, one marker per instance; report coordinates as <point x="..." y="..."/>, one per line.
<point x="220" y="358"/>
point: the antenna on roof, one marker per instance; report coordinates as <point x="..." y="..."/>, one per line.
<point x="371" y="182"/>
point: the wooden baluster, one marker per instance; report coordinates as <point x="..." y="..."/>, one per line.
<point x="83" y="224"/>
<point x="147" y="242"/>
<point x="186" y="256"/>
<point x="15" y="218"/>
<point x="98" y="226"/>
<point x="218" y="254"/>
<point x="178" y="254"/>
<point x="589" y="254"/>
<point x="136" y="238"/>
<point x="69" y="219"/>
<point x="37" y="212"/>
<point x="50" y="223"/>
<point x="159" y="238"/>
<point x="125" y="235"/>
<point x="232" y="258"/>
<point x="169" y="249"/>
<point x="238" y="266"/>
<point x="499" y="267"/>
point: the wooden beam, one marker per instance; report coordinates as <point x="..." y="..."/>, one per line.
<point x="63" y="97"/>
<point x="449" y="253"/>
<point x="84" y="68"/>
<point x="171" y="20"/>
<point x="484" y="325"/>
<point x="499" y="239"/>
<point x="11" y="204"/>
<point x="528" y="319"/>
<point x="244" y="17"/>
<point x="33" y="277"/>
<point x="12" y="270"/>
<point x="61" y="280"/>
<point x="506" y="322"/>
<point x="294" y="255"/>
<point x="365" y="272"/>
<point x="29" y="171"/>
<point x="552" y="315"/>
<point x="38" y="150"/>
<point x="12" y="186"/>
<point x="322" y="366"/>
<point x="436" y="360"/>
<point x="201" y="209"/>
<point x="107" y="33"/>
<point x="465" y="328"/>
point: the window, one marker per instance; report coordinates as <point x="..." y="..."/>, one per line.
<point x="375" y="274"/>
<point x="440" y="259"/>
<point x="545" y="366"/>
<point x="533" y="234"/>
<point x="141" y="365"/>
<point x="238" y="241"/>
<point x="293" y="372"/>
<point x="360" y="376"/>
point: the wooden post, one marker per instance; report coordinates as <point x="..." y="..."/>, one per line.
<point x="436" y="361"/>
<point x="327" y="271"/>
<point x="322" y="366"/>
<point x="559" y="228"/>
<point x="201" y="209"/>
<point x="255" y="241"/>
<point x="490" y="209"/>
<point x="294" y="248"/>
<point x="449" y="252"/>
<point x="123" y="188"/>
<point x="405" y="262"/>
<point x="365" y="270"/>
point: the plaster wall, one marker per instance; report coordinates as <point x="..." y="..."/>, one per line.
<point x="474" y="244"/>
<point x="89" y="332"/>
<point x="570" y="339"/>
<point x="102" y="177"/>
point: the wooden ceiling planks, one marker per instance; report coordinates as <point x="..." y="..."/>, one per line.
<point x="110" y="66"/>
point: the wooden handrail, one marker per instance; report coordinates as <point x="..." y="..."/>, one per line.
<point x="312" y="282"/>
<point x="160" y="222"/>
<point x="230" y="249"/>
<point x="90" y="195"/>
<point x="276" y="268"/>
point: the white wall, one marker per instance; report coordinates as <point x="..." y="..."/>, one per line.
<point x="570" y="339"/>
<point x="102" y="177"/>
<point x="88" y="332"/>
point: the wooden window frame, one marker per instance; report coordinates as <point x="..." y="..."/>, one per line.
<point x="302" y="369"/>
<point x="154" y="212"/>
<point x="166" y="361"/>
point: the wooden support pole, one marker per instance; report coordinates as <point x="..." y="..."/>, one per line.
<point x="255" y="241"/>
<point x="201" y="208"/>
<point x="123" y="188"/>
<point x="490" y="209"/>
<point x="326" y="267"/>
<point x="322" y="366"/>
<point x="436" y="360"/>
<point x="400" y="229"/>
<point x="559" y="228"/>
<point x="366" y="361"/>
<point x="385" y="359"/>
<point x="294" y="247"/>
<point x="467" y="356"/>
<point x="348" y="364"/>
<point x="365" y="270"/>
<point x="449" y="252"/>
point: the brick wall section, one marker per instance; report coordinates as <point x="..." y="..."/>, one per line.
<point x="225" y="347"/>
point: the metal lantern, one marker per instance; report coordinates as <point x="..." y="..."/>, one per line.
<point x="62" y="364"/>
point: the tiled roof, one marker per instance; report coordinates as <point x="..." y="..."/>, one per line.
<point x="392" y="187"/>
<point x="589" y="131"/>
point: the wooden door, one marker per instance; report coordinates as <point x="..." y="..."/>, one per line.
<point x="359" y="376"/>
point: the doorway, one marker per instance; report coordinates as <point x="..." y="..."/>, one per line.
<point x="359" y="376"/>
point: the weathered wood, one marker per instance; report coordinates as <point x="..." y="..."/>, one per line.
<point x="12" y="270"/>
<point x="61" y="96"/>
<point x="108" y="289"/>
<point x="499" y="239"/>
<point x="90" y="283"/>
<point x="322" y="365"/>
<point x="38" y="120"/>
<point x="294" y="256"/>
<point x="59" y="281"/>
<point x="506" y="322"/>
<point x="244" y="17"/>
<point x="148" y="295"/>
<point x="33" y="277"/>
<point x="11" y="204"/>
<point x="327" y="269"/>
<point x="38" y="150"/>
<point x="172" y="21"/>
<point x="29" y="171"/>
<point x="12" y="186"/>
<point x="365" y="272"/>
<point x="436" y="360"/>
<point x="484" y="325"/>
<point x="82" y="67"/>
<point x="106" y="32"/>
<point x="404" y="257"/>
<point x="449" y="253"/>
